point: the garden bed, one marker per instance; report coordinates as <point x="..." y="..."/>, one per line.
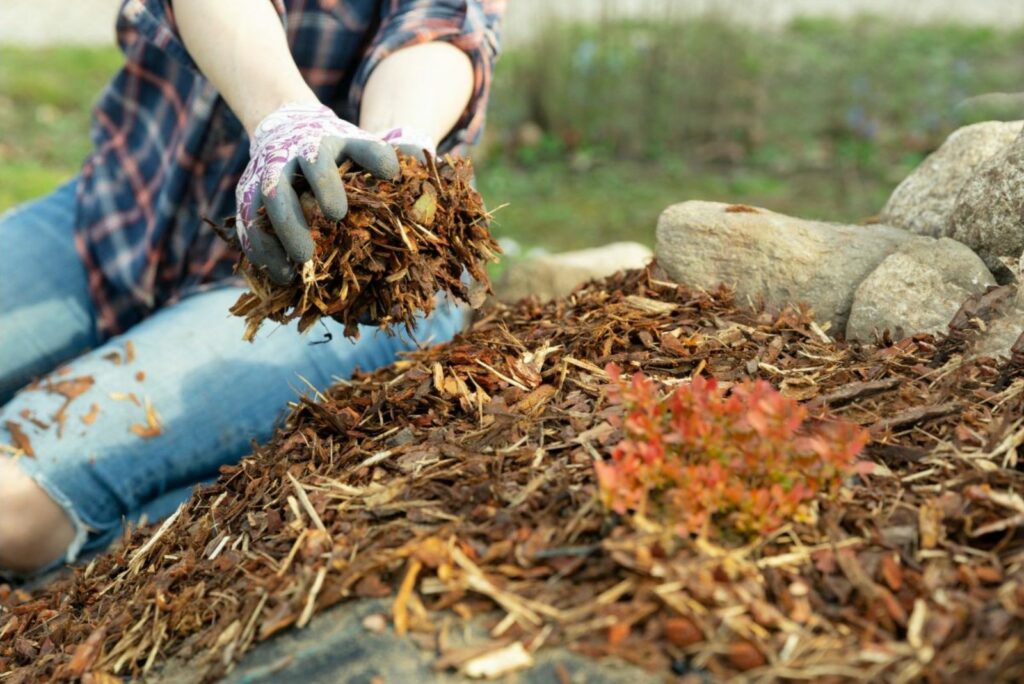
<point x="460" y="484"/>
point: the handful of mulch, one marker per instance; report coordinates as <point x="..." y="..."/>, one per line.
<point x="402" y="242"/>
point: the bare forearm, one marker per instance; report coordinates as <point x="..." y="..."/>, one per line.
<point x="426" y="87"/>
<point x="241" y="47"/>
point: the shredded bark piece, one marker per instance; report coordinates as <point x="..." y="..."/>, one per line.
<point x="19" y="440"/>
<point x="31" y="417"/>
<point x="72" y="388"/>
<point x="152" y="427"/>
<point x="90" y="417"/>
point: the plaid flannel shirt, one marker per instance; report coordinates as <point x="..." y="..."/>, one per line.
<point x="168" y="151"/>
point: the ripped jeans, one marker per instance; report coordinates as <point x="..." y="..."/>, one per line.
<point x="141" y="428"/>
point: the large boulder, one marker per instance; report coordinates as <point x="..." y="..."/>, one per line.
<point x="989" y="212"/>
<point x="777" y="258"/>
<point x="555" y="275"/>
<point x="924" y="201"/>
<point x="990" y="107"/>
<point x="917" y="289"/>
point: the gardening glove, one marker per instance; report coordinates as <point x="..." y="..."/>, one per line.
<point x="313" y="140"/>
<point x="411" y="141"/>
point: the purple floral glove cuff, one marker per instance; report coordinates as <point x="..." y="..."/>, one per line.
<point x="306" y="138"/>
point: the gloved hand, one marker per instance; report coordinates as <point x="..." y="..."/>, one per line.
<point x="310" y="138"/>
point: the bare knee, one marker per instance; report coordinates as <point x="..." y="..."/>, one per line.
<point x="34" y="530"/>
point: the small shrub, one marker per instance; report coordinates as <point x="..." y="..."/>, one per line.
<point x="701" y="460"/>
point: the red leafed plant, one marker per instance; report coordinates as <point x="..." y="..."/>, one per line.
<point x="703" y="460"/>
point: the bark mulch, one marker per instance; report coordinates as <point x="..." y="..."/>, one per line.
<point x="460" y="483"/>
<point x="401" y="242"/>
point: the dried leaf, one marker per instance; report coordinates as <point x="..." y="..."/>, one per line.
<point x="425" y="208"/>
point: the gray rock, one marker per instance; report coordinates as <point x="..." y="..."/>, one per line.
<point x="924" y="201"/>
<point x="917" y="289"/>
<point x="1003" y="327"/>
<point x="1001" y="333"/>
<point x="988" y="215"/>
<point x="555" y="275"/>
<point x="777" y="258"/>
<point x="335" y="647"/>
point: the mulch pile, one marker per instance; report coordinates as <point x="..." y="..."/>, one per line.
<point x="460" y="483"/>
<point x="401" y="243"/>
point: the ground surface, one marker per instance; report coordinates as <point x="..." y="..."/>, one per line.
<point x="459" y="486"/>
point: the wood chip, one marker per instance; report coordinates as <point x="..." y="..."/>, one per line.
<point x="90" y="417"/>
<point x="499" y="663"/>
<point x="19" y="440"/>
<point x="152" y="427"/>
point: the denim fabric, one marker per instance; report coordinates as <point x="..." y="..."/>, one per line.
<point x="212" y="392"/>
<point x="46" y="315"/>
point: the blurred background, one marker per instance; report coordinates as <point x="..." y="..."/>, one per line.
<point x="604" y="112"/>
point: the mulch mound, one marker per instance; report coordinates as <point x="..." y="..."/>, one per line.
<point x="400" y="243"/>
<point x="460" y="482"/>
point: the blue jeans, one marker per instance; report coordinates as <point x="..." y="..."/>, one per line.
<point x="211" y="392"/>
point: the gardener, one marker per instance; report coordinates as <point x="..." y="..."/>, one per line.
<point x="119" y="276"/>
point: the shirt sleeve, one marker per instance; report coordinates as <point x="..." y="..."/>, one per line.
<point x="470" y="25"/>
<point x="153" y="21"/>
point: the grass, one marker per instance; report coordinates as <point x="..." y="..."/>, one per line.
<point x="820" y="120"/>
<point x="45" y="99"/>
<point x="551" y="204"/>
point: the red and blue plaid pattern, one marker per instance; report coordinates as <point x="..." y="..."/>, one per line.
<point x="168" y="151"/>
